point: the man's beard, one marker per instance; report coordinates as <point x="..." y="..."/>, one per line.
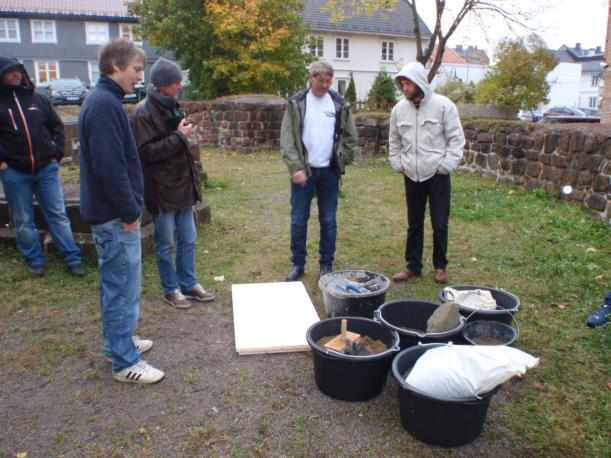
<point x="417" y="96"/>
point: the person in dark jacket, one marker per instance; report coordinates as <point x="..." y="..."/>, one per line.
<point x="31" y="146"/>
<point x="318" y="138"/>
<point x="111" y="201"/>
<point x="171" y="183"/>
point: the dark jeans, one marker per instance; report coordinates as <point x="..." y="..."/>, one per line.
<point x="437" y="190"/>
<point x="325" y="181"/>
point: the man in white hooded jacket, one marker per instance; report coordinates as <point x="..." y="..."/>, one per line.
<point x="426" y="144"/>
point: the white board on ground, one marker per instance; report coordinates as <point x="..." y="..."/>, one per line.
<point x="271" y="317"/>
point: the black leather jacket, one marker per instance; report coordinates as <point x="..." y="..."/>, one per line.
<point x="171" y="180"/>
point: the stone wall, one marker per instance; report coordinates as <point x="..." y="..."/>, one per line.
<point x="546" y="156"/>
<point x="238" y="123"/>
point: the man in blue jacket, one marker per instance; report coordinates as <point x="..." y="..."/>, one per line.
<point x="31" y="146"/>
<point x="111" y="201"/>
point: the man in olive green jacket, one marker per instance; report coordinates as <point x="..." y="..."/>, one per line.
<point x="318" y="139"/>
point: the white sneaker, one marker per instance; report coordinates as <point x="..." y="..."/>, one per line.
<point x="141" y="372"/>
<point x="142" y="345"/>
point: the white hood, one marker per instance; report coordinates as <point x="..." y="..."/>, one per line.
<point x="416" y="73"/>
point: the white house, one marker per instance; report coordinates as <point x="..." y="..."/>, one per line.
<point x="363" y="45"/>
<point x="564" y="82"/>
<point x="591" y="77"/>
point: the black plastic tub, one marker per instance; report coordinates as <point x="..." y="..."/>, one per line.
<point x="347" y="377"/>
<point x="339" y="303"/>
<point x="442" y="422"/>
<point x="487" y="332"/>
<point x="508" y="304"/>
<point x="413" y="315"/>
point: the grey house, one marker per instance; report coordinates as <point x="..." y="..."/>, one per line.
<point x="60" y="38"/>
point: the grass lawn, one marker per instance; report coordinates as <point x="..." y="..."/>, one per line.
<point x="552" y="256"/>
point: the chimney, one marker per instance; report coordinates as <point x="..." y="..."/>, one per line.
<point x="577" y="46"/>
<point x="598" y="50"/>
<point x="459" y="48"/>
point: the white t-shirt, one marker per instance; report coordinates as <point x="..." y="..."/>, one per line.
<point x="318" y="128"/>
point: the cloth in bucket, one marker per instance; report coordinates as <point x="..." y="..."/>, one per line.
<point x="475" y="299"/>
<point x="462" y="371"/>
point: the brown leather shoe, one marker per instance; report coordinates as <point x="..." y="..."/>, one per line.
<point x="404" y="275"/>
<point x="441" y="276"/>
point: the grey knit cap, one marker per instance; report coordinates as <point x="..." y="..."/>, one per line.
<point x="165" y="72"/>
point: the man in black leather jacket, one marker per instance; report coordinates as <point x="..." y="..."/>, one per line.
<point x="171" y="183"/>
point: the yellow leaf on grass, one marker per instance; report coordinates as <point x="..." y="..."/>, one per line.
<point x="21" y="455"/>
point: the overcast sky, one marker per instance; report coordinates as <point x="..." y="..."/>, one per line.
<point x="558" y="22"/>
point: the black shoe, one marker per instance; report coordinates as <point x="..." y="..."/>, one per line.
<point x="295" y="274"/>
<point x="77" y="270"/>
<point x="324" y="270"/>
<point x="37" y="271"/>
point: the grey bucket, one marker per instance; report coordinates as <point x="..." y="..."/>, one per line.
<point x="339" y="303"/>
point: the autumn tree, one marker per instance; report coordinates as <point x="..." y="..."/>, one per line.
<point x="517" y="81"/>
<point x="449" y="15"/>
<point x="230" y="46"/>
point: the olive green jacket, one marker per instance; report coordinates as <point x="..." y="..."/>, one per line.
<point x="294" y="152"/>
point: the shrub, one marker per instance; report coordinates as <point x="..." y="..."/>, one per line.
<point x="382" y="95"/>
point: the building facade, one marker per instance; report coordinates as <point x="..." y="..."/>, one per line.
<point x="60" y="38"/>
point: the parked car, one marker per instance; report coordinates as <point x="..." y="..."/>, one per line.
<point x="529" y="115"/>
<point x="138" y="94"/>
<point x="563" y="111"/>
<point x="590" y="111"/>
<point x="65" y="91"/>
<point x="568" y="119"/>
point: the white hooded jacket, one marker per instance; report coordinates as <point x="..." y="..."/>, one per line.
<point x="427" y="139"/>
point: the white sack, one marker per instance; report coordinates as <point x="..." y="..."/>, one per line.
<point x="459" y="371"/>
<point x="476" y="299"/>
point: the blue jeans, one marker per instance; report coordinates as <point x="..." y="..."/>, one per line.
<point x="325" y="181"/>
<point x="120" y="264"/>
<point x="19" y="189"/>
<point x="181" y="224"/>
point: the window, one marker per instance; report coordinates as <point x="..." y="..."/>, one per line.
<point x="96" y="32"/>
<point x="341" y="86"/>
<point x="9" y="30"/>
<point x="129" y="31"/>
<point x="315" y="46"/>
<point x="595" y="80"/>
<point x="592" y="102"/>
<point x="388" y="50"/>
<point x="43" y="31"/>
<point x="46" y="71"/>
<point x="94" y="72"/>
<point x="342" y="50"/>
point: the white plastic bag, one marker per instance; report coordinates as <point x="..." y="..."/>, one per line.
<point x="475" y="299"/>
<point x="459" y="371"/>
